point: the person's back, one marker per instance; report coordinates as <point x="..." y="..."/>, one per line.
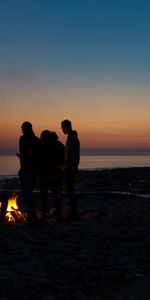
<point x="72" y="150"/>
<point x="52" y="156"/>
<point x="29" y="151"/>
<point x="52" y="153"/>
<point x="29" y="146"/>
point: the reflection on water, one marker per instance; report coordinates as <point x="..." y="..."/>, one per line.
<point x="114" y="161"/>
<point x="9" y="165"/>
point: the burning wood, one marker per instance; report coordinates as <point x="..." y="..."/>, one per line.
<point x="13" y="214"/>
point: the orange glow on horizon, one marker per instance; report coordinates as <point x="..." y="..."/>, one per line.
<point x="105" y="117"/>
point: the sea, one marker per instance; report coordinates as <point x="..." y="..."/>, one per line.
<point x="9" y="164"/>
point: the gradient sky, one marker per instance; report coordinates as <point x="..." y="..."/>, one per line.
<point x="85" y="60"/>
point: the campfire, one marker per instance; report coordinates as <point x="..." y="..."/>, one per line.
<point x="13" y="214"/>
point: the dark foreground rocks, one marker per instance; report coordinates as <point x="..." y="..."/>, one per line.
<point x="107" y="249"/>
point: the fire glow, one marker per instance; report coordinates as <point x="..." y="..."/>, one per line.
<point x="13" y="213"/>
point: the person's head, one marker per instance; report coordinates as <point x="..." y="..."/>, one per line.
<point x="26" y="127"/>
<point x="66" y="126"/>
<point x="54" y="136"/>
<point x="45" y="134"/>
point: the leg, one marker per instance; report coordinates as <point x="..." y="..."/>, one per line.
<point x="44" y="195"/>
<point x="28" y="182"/>
<point x="56" y="191"/>
<point x="69" y="177"/>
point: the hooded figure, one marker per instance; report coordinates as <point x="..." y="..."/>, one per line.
<point x="52" y="157"/>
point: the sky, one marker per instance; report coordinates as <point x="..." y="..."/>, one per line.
<point x="86" y="60"/>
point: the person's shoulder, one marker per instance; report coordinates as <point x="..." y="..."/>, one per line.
<point x="73" y="136"/>
<point x="22" y="138"/>
<point x="60" y="145"/>
<point x="36" y="138"/>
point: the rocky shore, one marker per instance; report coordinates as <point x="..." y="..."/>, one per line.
<point x="92" y="258"/>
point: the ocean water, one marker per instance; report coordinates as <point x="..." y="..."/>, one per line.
<point x="9" y="165"/>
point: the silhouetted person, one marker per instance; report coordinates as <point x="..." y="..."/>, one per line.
<point x="4" y="196"/>
<point x="29" y="162"/>
<point x="70" y="167"/>
<point x="52" y="156"/>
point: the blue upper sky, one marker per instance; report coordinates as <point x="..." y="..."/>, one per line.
<point x="86" y="60"/>
<point x="88" y="40"/>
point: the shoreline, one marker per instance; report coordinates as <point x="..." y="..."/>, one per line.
<point x="10" y="164"/>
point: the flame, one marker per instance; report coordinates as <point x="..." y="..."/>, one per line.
<point x="13" y="214"/>
<point x="12" y="203"/>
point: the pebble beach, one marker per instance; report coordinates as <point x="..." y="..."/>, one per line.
<point x="106" y="250"/>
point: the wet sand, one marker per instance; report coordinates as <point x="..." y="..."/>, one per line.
<point x="104" y="255"/>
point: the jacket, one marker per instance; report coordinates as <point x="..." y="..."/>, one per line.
<point x="72" y="149"/>
<point x="29" y="153"/>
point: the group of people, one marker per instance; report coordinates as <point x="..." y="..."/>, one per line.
<point x="48" y="159"/>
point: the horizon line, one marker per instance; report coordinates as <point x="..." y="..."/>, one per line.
<point x="94" y="151"/>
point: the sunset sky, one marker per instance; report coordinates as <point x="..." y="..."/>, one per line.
<point x="84" y="60"/>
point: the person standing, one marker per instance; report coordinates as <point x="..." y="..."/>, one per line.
<point x="52" y="156"/>
<point x="70" y="167"/>
<point x="29" y="145"/>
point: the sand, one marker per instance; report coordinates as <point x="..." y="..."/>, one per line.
<point x="104" y="255"/>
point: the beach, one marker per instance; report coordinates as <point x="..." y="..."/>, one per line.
<point x="105" y="252"/>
